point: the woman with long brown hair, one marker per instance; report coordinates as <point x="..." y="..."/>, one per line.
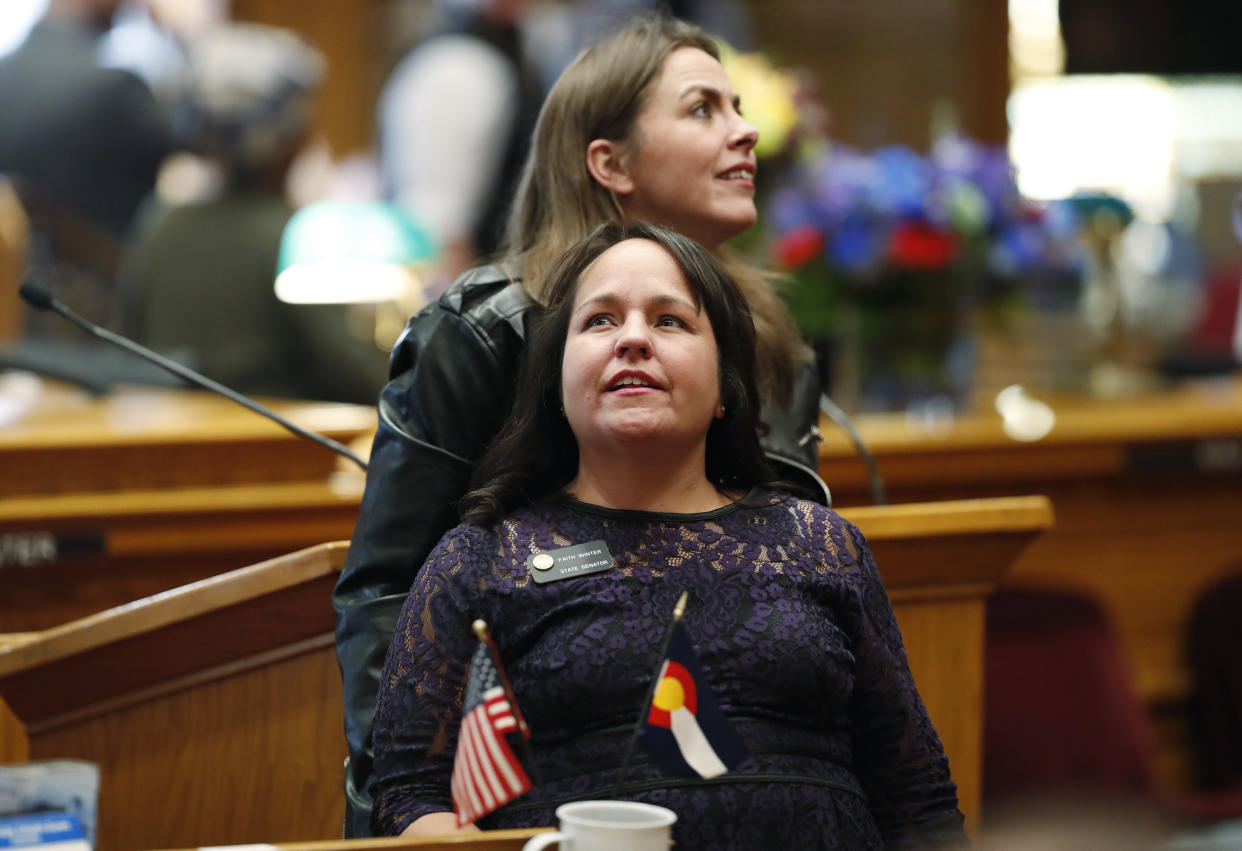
<point x="633" y="436"/>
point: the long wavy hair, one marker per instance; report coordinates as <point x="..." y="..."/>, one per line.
<point x="557" y="202"/>
<point x="536" y="453"/>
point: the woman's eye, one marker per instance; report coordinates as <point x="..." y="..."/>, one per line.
<point x="598" y="320"/>
<point x="670" y="322"/>
<point x="702" y="108"/>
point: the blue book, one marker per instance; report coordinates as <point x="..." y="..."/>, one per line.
<point x="45" y="831"/>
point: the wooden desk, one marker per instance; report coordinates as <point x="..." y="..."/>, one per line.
<point x="490" y="840"/>
<point x="105" y="501"/>
<point x="108" y="500"/>
<point x="1148" y="499"/>
<point x="214" y="710"/>
<point x="227" y="691"/>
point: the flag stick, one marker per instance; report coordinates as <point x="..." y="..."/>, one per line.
<point x="481" y="630"/>
<point x="645" y="708"/>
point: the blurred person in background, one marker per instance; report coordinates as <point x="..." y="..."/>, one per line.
<point x="151" y="38"/>
<point x="82" y="144"/>
<point x="199" y="276"/>
<point x="88" y="137"/>
<point x="454" y="120"/>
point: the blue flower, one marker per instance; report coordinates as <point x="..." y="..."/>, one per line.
<point x="856" y="246"/>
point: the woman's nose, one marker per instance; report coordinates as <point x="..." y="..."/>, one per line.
<point x="634" y="338"/>
<point x="745" y="134"/>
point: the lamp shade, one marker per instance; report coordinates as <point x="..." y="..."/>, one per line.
<point x="349" y="252"/>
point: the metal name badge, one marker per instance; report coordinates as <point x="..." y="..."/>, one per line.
<point x="570" y="562"/>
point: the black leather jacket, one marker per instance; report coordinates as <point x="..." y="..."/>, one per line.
<point x="452" y="373"/>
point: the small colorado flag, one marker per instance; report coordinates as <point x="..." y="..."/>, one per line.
<point x="684" y="730"/>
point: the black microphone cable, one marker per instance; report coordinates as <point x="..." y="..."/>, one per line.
<point x="41" y="299"/>
<point x="838" y="416"/>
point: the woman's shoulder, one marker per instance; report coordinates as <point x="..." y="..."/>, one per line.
<point x="809" y="525"/>
<point x="462" y="554"/>
<point x="462" y="540"/>
<point x="771" y="499"/>
<point x="496" y="547"/>
<point x="552" y="518"/>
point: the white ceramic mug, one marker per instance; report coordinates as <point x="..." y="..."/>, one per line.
<point x="609" y="826"/>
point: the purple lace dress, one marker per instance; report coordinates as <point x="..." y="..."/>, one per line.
<point x="795" y="634"/>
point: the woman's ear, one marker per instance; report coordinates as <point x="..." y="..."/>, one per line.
<point x="605" y="162"/>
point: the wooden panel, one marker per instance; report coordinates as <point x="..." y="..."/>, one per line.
<point x="226" y="691"/>
<point x="949" y="549"/>
<point x="1145" y="553"/>
<point x="227" y="600"/>
<point x="346" y="33"/>
<point x="13" y="744"/>
<point x="56" y="440"/>
<point x="910" y="567"/>
<point x="184" y="645"/>
<point x="952" y="518"/>
<point x="940" y="636"/>
<point x="213" y="744"/>
<point x="134" y="545"/>
<point x="1147" y="493"/>
<point x="105" y="501"/>
<point x="885" y="67"/>
<point x="1190" y="411"/>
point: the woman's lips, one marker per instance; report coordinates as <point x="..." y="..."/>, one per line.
<point x="636" y="382"/>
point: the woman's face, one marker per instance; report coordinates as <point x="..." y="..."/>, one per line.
<point x="690" y="157"/>
<point x="640" y="365"/>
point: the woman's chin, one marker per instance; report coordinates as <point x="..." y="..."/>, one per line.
<point x="648" y="436"/>
<point x="637" y="434"/>
<point x="746" y="221"/>
<point x="727" y="227"/>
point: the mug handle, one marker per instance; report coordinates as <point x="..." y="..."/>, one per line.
<point x="543" y="840"/>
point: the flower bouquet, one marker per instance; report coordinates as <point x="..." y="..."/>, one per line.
<point x="889" y="255"/>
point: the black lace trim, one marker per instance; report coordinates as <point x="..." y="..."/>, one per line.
<point x="660" y="516"/>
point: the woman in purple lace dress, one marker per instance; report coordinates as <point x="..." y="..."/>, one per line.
<point x="635" y="426"/>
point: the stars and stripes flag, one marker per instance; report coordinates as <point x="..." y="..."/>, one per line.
<point x="683" y="728"/>
<point x="486" y="773"/>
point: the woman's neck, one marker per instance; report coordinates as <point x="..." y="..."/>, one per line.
<point x="646" y="484"/>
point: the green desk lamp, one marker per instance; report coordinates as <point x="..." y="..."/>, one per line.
<point x="370" y="256"/>
<point x="352" y="252"/>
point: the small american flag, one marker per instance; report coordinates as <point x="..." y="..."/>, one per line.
<point x="486" y="774"/>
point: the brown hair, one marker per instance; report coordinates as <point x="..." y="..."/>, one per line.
<point x="558" y="203"/>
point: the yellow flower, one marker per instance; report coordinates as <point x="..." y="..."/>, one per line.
<point x="767" y="95"/>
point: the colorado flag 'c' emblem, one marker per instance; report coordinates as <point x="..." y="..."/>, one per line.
<point x="685" y="731"/>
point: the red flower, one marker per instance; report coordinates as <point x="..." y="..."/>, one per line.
<point x="914" y="245"/>
<point x="798" y="247"/>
